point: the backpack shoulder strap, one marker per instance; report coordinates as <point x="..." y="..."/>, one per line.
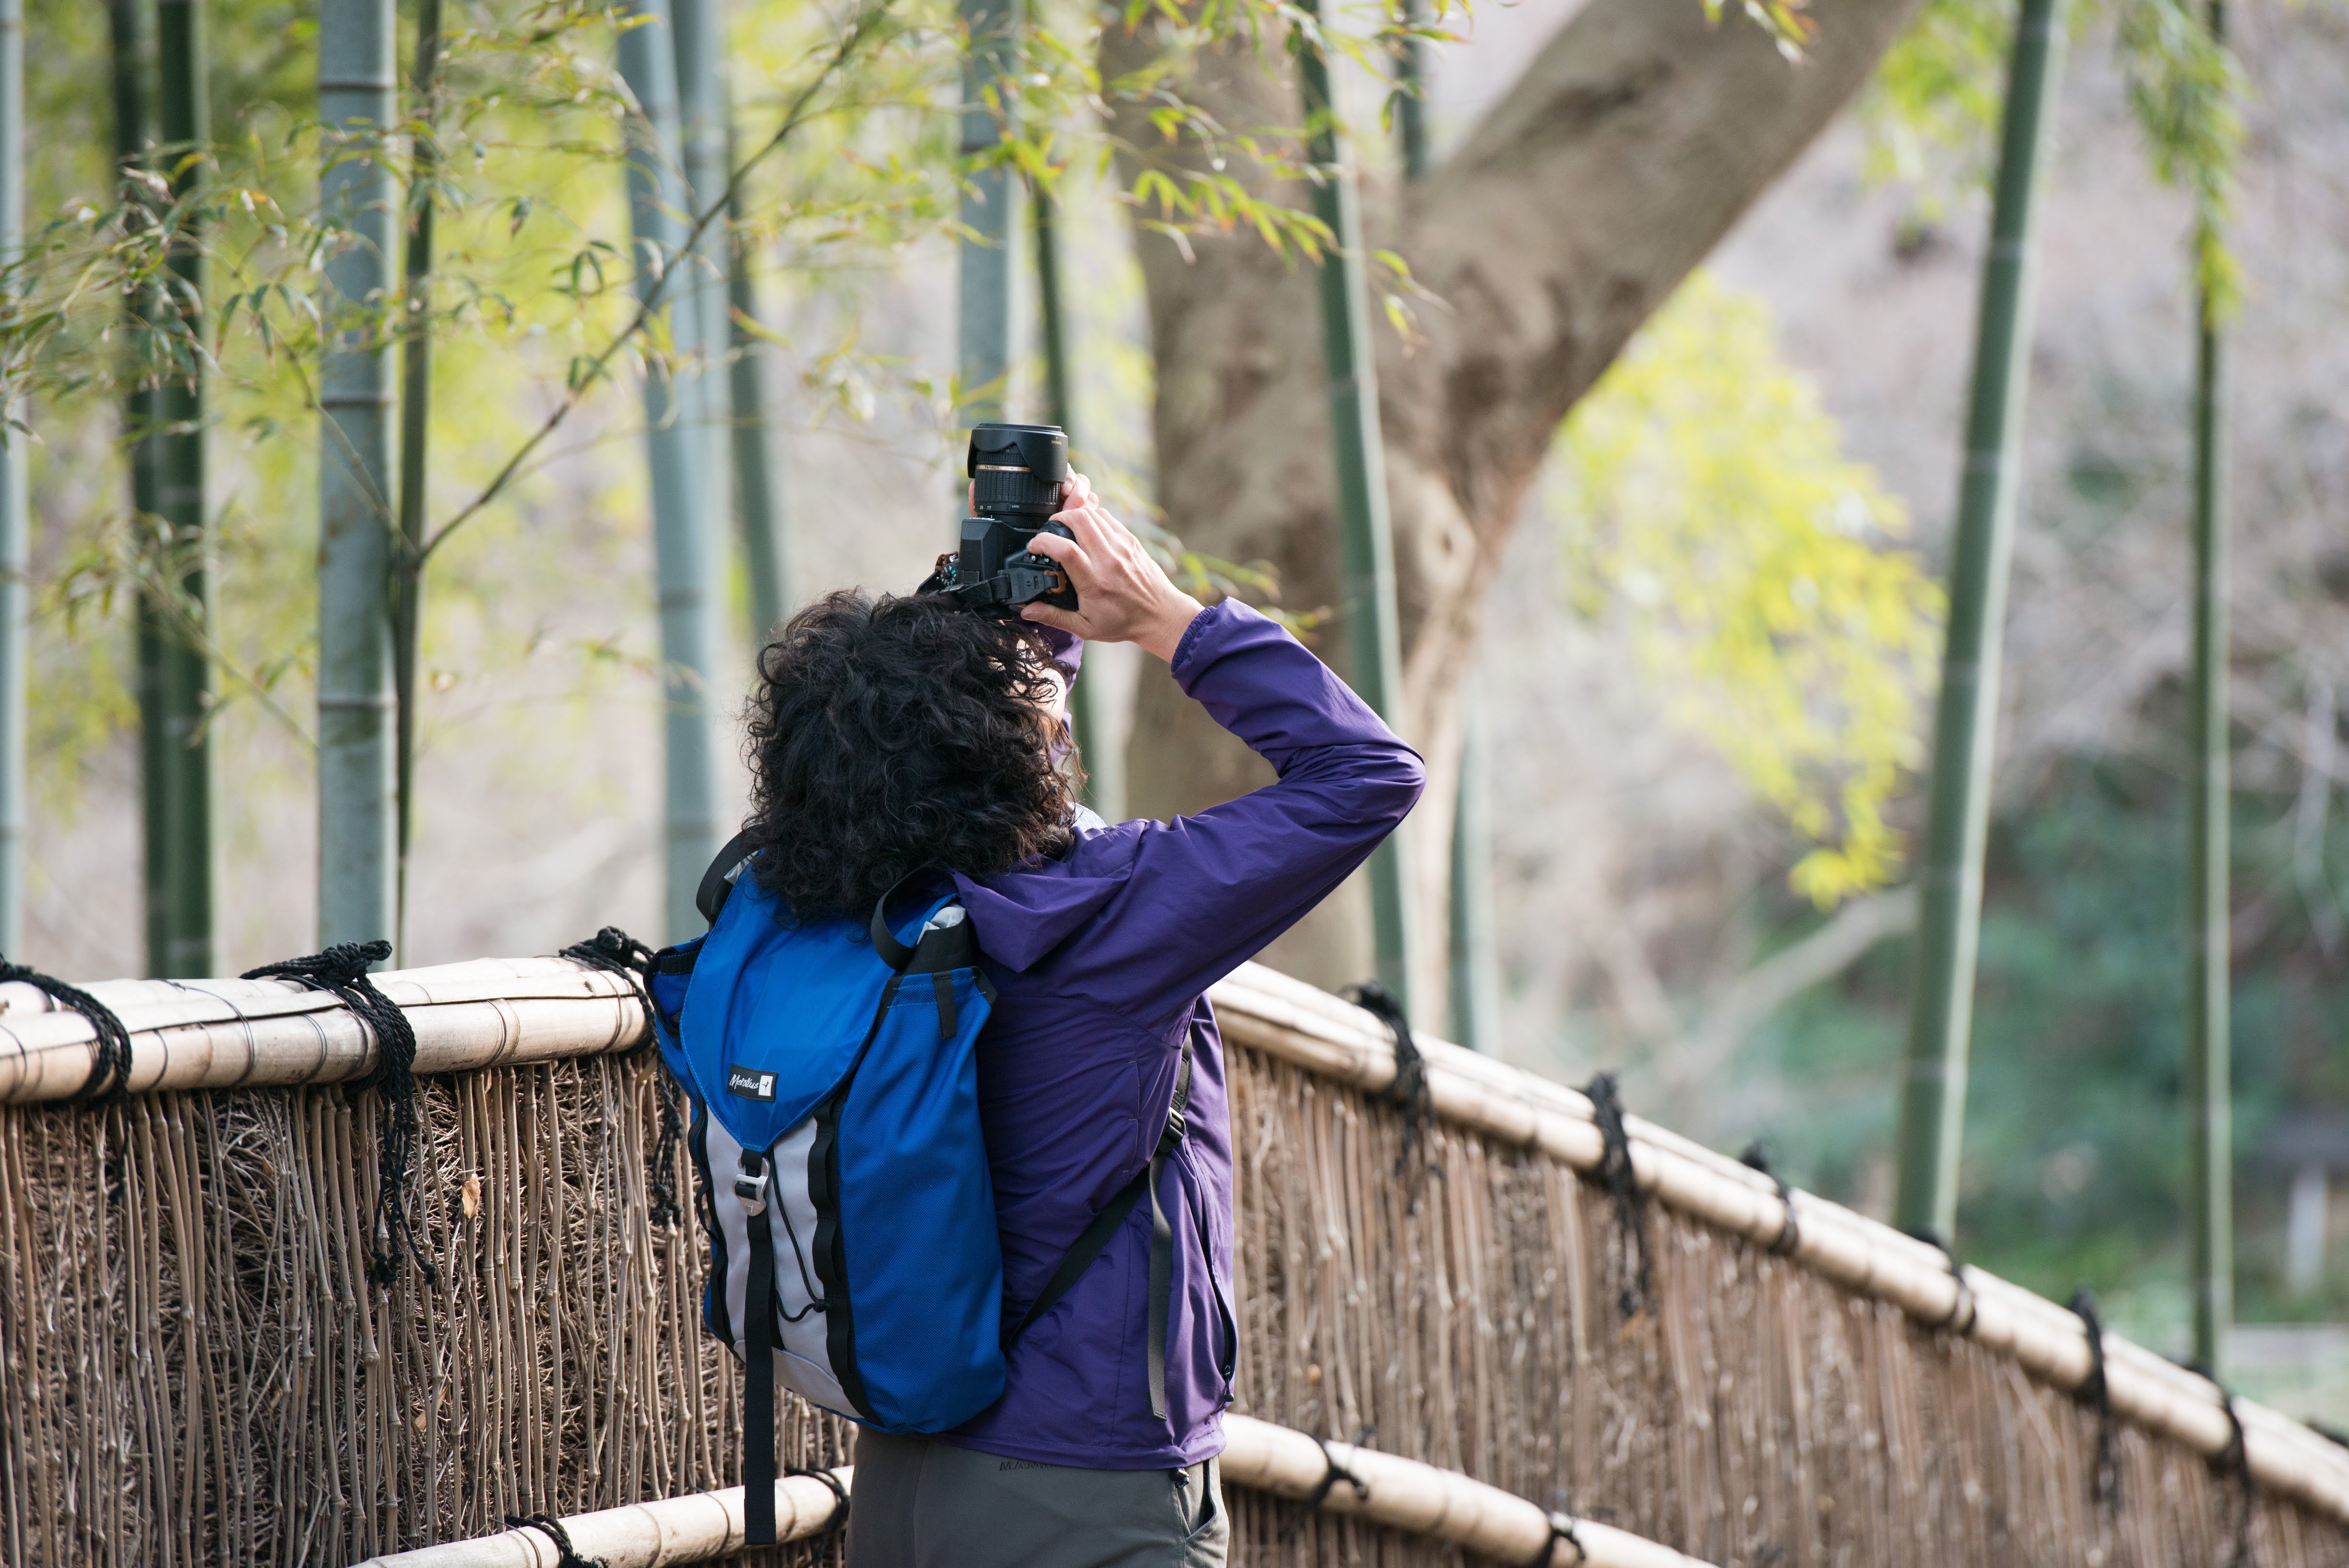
<point x="1096" y="1238"/>
<point x="710" y="897"/>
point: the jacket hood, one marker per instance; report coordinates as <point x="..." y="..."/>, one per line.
<point x="1024" y="913"/>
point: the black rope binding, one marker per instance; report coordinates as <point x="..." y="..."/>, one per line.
<point x="1962" y="1312"/>
<point x="566" y="1555"/>
<point x="342" y="972"/>
<point x="1410" y="1090"/>
<point x="2234" y="1460"/>
<point x="1616" y="1174"/>
<point x="614" y="951"/>
<point x="109" y="1057"/>
<point x="1790" y="1230"/>
<point x="838" y="1520"/>
<point x="2104" y="1482"/>
<point x="1332" y="1472"/>
<point x="1562" y="1527"/>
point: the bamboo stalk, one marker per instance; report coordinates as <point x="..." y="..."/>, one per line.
<point x="359" y="192"/>
<point x="2210" y="1092"/>
<point x="16" y="545"/>
<point x="1965" y="726"/>
<point x="1475" y="968"/>
<point x="130" y="36"/>
<point x="983" y="330"/>
<point x="415" y="434"/>
<point x="1104" y="763"/>
<point x="684" y="542"/>
<point x="704" y="153"/>
<point x="1358" y="453"/>
<point x="183" y="668"/>
<point x="758" y="507"/>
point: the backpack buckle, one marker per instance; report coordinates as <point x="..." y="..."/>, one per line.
<point x="751" y="1184"/>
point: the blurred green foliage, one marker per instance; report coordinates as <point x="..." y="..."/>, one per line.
<point x="1933" y="108"/>
<point x="2075" y="1139"/>
<point x="1701" y="491"/>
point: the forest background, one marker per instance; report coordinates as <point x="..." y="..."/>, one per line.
<point x="1675" y="846"/>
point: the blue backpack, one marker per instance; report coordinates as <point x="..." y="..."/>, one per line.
<point x="833" y="1077"/>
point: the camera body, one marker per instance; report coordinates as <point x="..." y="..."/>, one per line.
<point x="1016" y="472"/>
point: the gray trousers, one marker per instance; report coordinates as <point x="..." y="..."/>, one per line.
<point x="922" y="1504"/>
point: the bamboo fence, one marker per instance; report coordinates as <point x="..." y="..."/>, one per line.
<point x="193" y="1367"/>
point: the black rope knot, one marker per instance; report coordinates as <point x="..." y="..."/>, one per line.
<point x="566" y="1555"/>
<point x="1617" y="1174"/>
<point x="341" y="970"/>
<point x="614" y="951"/>
<point x="2234" y="1460"/>
<point x="1408" y="1092"/>
<point x="1959" y="1319"/>
<point x="110" y="1056"/>
<point x="1790" y="1230"/>
<point x="1562" y="1527"/>
<point x="2104" y="1481"/>
<point x="838" y="1518"/>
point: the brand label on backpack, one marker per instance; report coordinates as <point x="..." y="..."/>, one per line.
<point x="749" y="1083"/>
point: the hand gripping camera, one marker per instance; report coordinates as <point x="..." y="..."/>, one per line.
<point x="1016" y="474"/>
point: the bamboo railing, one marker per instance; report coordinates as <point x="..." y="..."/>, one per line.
<point x="1402" y="1494"/>
<point x="192" y="1364"/>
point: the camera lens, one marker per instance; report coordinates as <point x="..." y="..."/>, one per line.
<point x="1016" y="470"/>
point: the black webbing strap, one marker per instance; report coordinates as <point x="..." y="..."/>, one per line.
<point x="1096" y="1238"/>
<point x="614" y="951"/>
<point x="110" y="1054"/>
<point x="710" y="897"/>
<point x="2104" y="1481"/>
<point x="1162" y="1284"/>
<point x="1617" y="1174"/>
<point x="1790" y="1230"/>
<point x="566" y="1555"/>
<point x="1961" y="1316"/>
<point x="342" y="972"/>
<point x="758" y="1358"/>
<point x="893" y="953"/>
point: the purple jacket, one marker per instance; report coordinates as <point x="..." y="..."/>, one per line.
<point x="1099" y="959"/>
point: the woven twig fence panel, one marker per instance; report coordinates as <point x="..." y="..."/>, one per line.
<point x="194" y="1369"/>
<point x="1466" y="1311"/>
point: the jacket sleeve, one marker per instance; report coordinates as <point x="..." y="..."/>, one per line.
<point x="1202" y="895"/>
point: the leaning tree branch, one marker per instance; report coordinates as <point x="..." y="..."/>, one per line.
<point x="1629" y="148"/>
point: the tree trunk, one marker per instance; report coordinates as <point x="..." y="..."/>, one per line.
<point x="1632" y="143"/>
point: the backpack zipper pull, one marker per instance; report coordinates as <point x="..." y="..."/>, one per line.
<point x="751" y="1185"/>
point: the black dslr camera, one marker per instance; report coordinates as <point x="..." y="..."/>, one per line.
<point x="1016" y="474"/>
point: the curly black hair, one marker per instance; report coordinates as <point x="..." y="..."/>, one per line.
<point x="893" y="733"/>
